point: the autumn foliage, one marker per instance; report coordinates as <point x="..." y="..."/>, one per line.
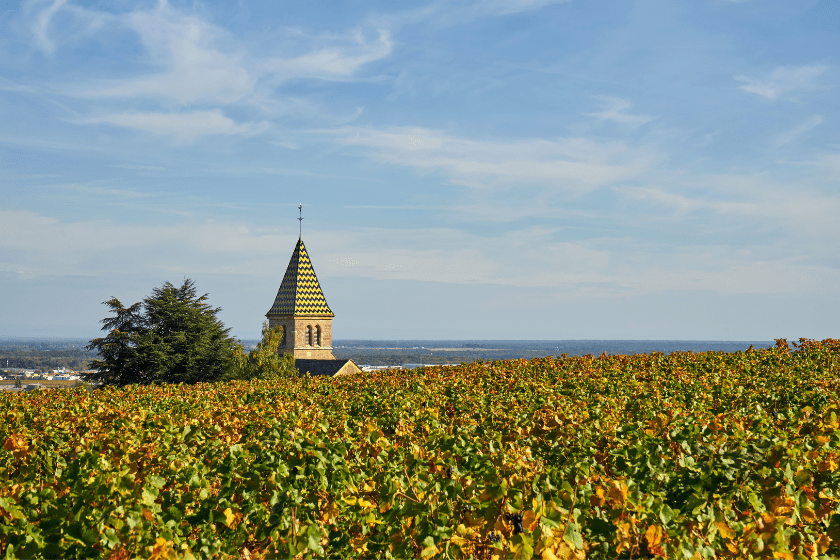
<point x="708" y="455"/>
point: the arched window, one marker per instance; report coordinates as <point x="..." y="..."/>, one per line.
<point x="317" y="335"/>
<point x="309" y="335"/>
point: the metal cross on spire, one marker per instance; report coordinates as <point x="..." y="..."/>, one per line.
<point x="300" y="209"/>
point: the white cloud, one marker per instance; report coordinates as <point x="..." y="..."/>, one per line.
<point x="331" y="63"/>
<point x="782" y="80"/>
<point x="201" y="63"/>
<point x="615" y="109"/>
<point x="42" y="23"/>
<point x="196" y="69"/>
<point x="184" y="128"/>
<point x="660" y="196"/>
<point x="573" y="164"/>
<point x="798" y="130"/>
<point x="108" y="191"/>
<point x="137" y="167"/>
<point x="758" y="201"/>
<point x="41" y="14"/>
<point x="456" y="12"/>
<point x="34" y="245"/>
<point x="493" y="8"/>
<point x="598" y="266"/>
<point x="8" y="85"/>
<point x="44" y="245"/>
<point x="829" y="164"/>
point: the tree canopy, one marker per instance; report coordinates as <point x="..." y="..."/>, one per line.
<point x="263" y="361"/>
<point x="172" y="336"/>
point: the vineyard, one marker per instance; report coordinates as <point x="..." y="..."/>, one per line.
<point x="707" y="455"/>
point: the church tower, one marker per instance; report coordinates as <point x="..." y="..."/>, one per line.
<point x="301" y="308"/>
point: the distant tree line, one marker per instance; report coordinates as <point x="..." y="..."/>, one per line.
<point x="37" y="344"/>
<point x="400" y="356"/>
<point x="45" y="359"/>
<point x="397" y="356"/>
<point x="175" y="336"/>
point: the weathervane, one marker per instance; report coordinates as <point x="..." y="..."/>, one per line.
<point x="300" y="209"/>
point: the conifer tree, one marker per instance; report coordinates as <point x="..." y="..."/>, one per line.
<point x="173" y="336"/>
<point x="117" y="363"/>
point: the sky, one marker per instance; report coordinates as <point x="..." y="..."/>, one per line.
<point x="486" y="169"/>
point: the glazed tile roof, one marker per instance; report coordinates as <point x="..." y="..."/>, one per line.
<point x="300" y="293"/>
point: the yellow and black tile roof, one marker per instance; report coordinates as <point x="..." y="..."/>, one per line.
<point x="300" y="293"/>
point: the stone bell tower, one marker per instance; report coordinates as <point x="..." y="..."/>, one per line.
<point x="301" y="308"/>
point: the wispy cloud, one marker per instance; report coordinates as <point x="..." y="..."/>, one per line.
<point x="8" y="85"/>
<point x="201" y="62"/>
<point x="109" y="192"/>
<point x="615" y="109"/>
<point x="756" y="200"/>
<point x="183" y="127"/>
<point x="79" y="22"/>
<point x="598" y="266"/>
<point x="445" y="13"/>
<point x="331" y="63"/>
<point x="199" y="68"/>
<point x="493" y="8"/>
<point x="138" y="167"/>
<point x="782" y="80"/>
<point x="190" y="51"/>
<point x="572" y="164"/>
<point x="45" y="245"/>
<point x="198" y="64"/>
<point x="42" y="23"/>
<point x="829" y="164"/>
<point x="797" y="131"/>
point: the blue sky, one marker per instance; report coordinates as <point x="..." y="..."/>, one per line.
<point x="520" y="169"/>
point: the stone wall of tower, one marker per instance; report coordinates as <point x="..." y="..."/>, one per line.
<point x="295" y="339"/>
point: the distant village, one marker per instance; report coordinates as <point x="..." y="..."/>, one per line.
<point x="22" y="379"/>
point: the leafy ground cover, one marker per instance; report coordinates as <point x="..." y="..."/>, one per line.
<point x="707" y="455"/>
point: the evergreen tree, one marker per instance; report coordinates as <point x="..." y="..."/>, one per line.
<point x="177" y="338"/>
<point x="117" y="363"/>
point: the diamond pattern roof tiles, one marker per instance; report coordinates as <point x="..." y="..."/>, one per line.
<point x="300" y="293"/>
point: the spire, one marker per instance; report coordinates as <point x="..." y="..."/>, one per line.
<point x="300" y="209"/>
<point x="300" y="293"/>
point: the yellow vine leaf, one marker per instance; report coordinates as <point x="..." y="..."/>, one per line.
<point x="599" y="498"/>
<point x="230" y="518"/>
<point x="430" y="551"/>
<point x="725" y="530"/>
<point x="330" y="512"/>
<point x="618" y="492"/>
<point x="653" y="536"/>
